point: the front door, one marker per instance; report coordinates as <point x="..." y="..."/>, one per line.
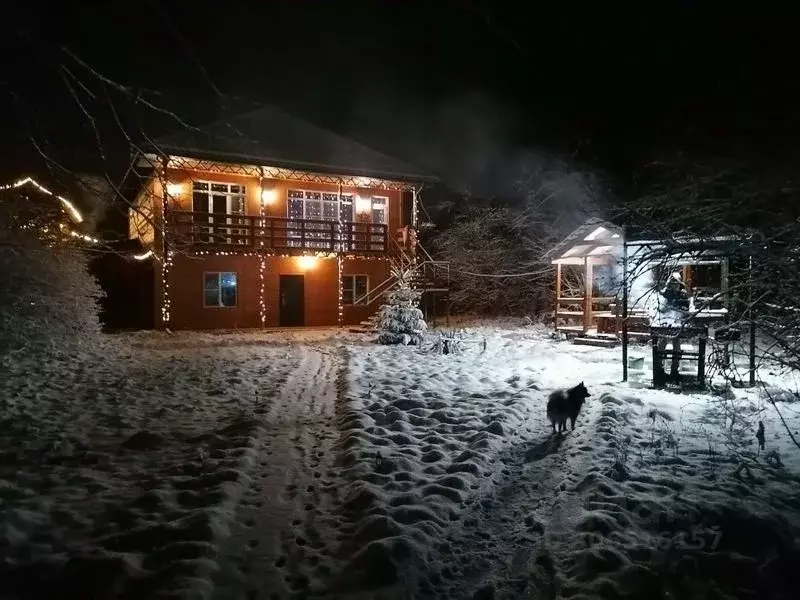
<point x="292" y="307"/>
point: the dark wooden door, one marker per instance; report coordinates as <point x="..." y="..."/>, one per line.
<point x="292" y="307"/>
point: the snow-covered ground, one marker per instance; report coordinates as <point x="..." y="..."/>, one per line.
<point x="167" y="464"/>
<point x="291" y="464"/>
<point x="465" y="493"/>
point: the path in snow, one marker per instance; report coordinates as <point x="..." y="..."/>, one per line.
<point x="281" y="538"/>
<point x="514" y="541"/>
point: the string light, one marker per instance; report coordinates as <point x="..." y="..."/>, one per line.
<point x="143" y="256"/>
<point x="81" y="236"/>
<point x="166" y="301"/>
<point x="262" y="263"/>
<point x="71" y="209"/>
<point x="262" y="305"/>
<point x="340" y="283"/>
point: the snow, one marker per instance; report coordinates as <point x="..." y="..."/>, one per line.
<point x="282" y="464"/>
<point x="465" y="491"/>
<point x="140" y="459"/>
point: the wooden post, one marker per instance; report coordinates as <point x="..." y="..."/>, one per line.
<point x="724" y="276"/>
<point x="624" y="310"/>
<point x="701" y="360"/>
<point x="587" y="295"/>
<point x="558" y="295"/>
<point x="751" y="316"/>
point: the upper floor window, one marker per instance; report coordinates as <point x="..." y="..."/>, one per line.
<point x="319" y="206"/>
<point x="218" y="198"/>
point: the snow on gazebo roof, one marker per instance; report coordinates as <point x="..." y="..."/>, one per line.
<point x="595" y="239"/>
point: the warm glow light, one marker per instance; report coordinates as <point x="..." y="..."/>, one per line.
<point x="73" y="212"/>
<point x="174" y="189"/>
<point x="307" y="262"/>
<point x="268" y="196"/>
<point x="143" y="256"/>
<point x="363" y="205"/>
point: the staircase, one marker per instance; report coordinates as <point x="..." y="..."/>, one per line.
<point x="428" y="276"/>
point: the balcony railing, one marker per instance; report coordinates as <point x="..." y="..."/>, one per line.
<point x="247" y="232"/>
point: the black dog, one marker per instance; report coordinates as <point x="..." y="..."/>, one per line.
<point x="566" y="404"/>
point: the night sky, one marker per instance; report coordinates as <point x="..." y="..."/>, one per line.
<point x="432" y="82"/>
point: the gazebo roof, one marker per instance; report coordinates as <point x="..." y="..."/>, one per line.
<point x="596" y="239"/>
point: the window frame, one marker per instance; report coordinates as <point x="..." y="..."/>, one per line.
<point x="384" y="205"/>
<point x="219" y="275"/>
<point x="230" y="216"/>
<point x="352" y="277"/>
<point x="347" y="199"/>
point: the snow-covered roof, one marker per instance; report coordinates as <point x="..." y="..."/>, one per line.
<point x="269" y="136"/>
<point x="596" y="238"/>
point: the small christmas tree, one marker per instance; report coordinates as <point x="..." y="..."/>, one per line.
<point x="399" y="320"/>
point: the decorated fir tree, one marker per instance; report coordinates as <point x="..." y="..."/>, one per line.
<point x="399" y="320"/>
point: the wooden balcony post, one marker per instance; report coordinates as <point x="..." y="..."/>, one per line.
<point x="558" y="295"/>
<point x="587" y="295"/>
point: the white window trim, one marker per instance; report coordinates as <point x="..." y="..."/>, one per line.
<point x="228" y="195"/>
<point x="353" y="276"/>
<point x="219" y="289"/>
<point x="228" y="210"/>
<point x="385" y="206"/>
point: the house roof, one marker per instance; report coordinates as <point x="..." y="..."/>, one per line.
<point x="269" y="136"/>
<point x="598" y="238"/>
<point x="595" y="238"/>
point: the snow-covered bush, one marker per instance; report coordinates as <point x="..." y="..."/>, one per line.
<point x="400" y="321"/>
<point x="48" y="300"/>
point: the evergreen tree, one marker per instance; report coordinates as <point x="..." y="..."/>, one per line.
<point x="399" y="320"/>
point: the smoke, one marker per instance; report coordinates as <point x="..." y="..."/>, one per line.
<point x="476" y="145"/>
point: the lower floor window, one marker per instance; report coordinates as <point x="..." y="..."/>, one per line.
<point x="354" y="289"/>
<point x="219" y="289"/>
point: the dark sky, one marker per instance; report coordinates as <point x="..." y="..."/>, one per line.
<point x="611" y="84"/>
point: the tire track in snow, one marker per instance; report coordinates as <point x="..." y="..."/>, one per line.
<point x="512" y="542"/>
<point x="282" y="539"/>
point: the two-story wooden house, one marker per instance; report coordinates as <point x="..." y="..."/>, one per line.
<point x="265" y="220"/>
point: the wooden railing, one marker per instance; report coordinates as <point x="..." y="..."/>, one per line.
<point x="186" y="228"/>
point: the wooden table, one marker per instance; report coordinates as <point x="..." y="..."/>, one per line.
<point x="661" y="336"/>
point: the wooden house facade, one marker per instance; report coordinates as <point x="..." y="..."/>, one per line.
<point x="268" y="221"/>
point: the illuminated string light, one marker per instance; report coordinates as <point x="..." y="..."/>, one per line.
<point x="262" y="305"/>
<point x="70" y="207"/>
<point x="144" y="256"/>
<point x="166" y="301"/>
<point x="262" y="263"/>
<point x="166" y="304"/>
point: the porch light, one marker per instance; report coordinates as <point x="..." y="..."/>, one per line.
<point x="307" y="262"/>
<point x="268" y="196"/>
<point x="174" y="189"/>
<point x="363" y="205"/>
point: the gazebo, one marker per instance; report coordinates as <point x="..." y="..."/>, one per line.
<point x="595" y="245"/>
<point x="593" y="307"/>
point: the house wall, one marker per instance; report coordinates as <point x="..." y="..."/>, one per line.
<point x="321" y="291"/>
<point x="321" y="280"/>
<point x="378" y="272"/>
<point x="141" y="215"/>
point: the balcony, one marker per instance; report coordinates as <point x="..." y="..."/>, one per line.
<point x="219" y="231"/>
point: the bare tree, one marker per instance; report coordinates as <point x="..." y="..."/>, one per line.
<point x="750" y="211"/>
<point x="497" y="249"/>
